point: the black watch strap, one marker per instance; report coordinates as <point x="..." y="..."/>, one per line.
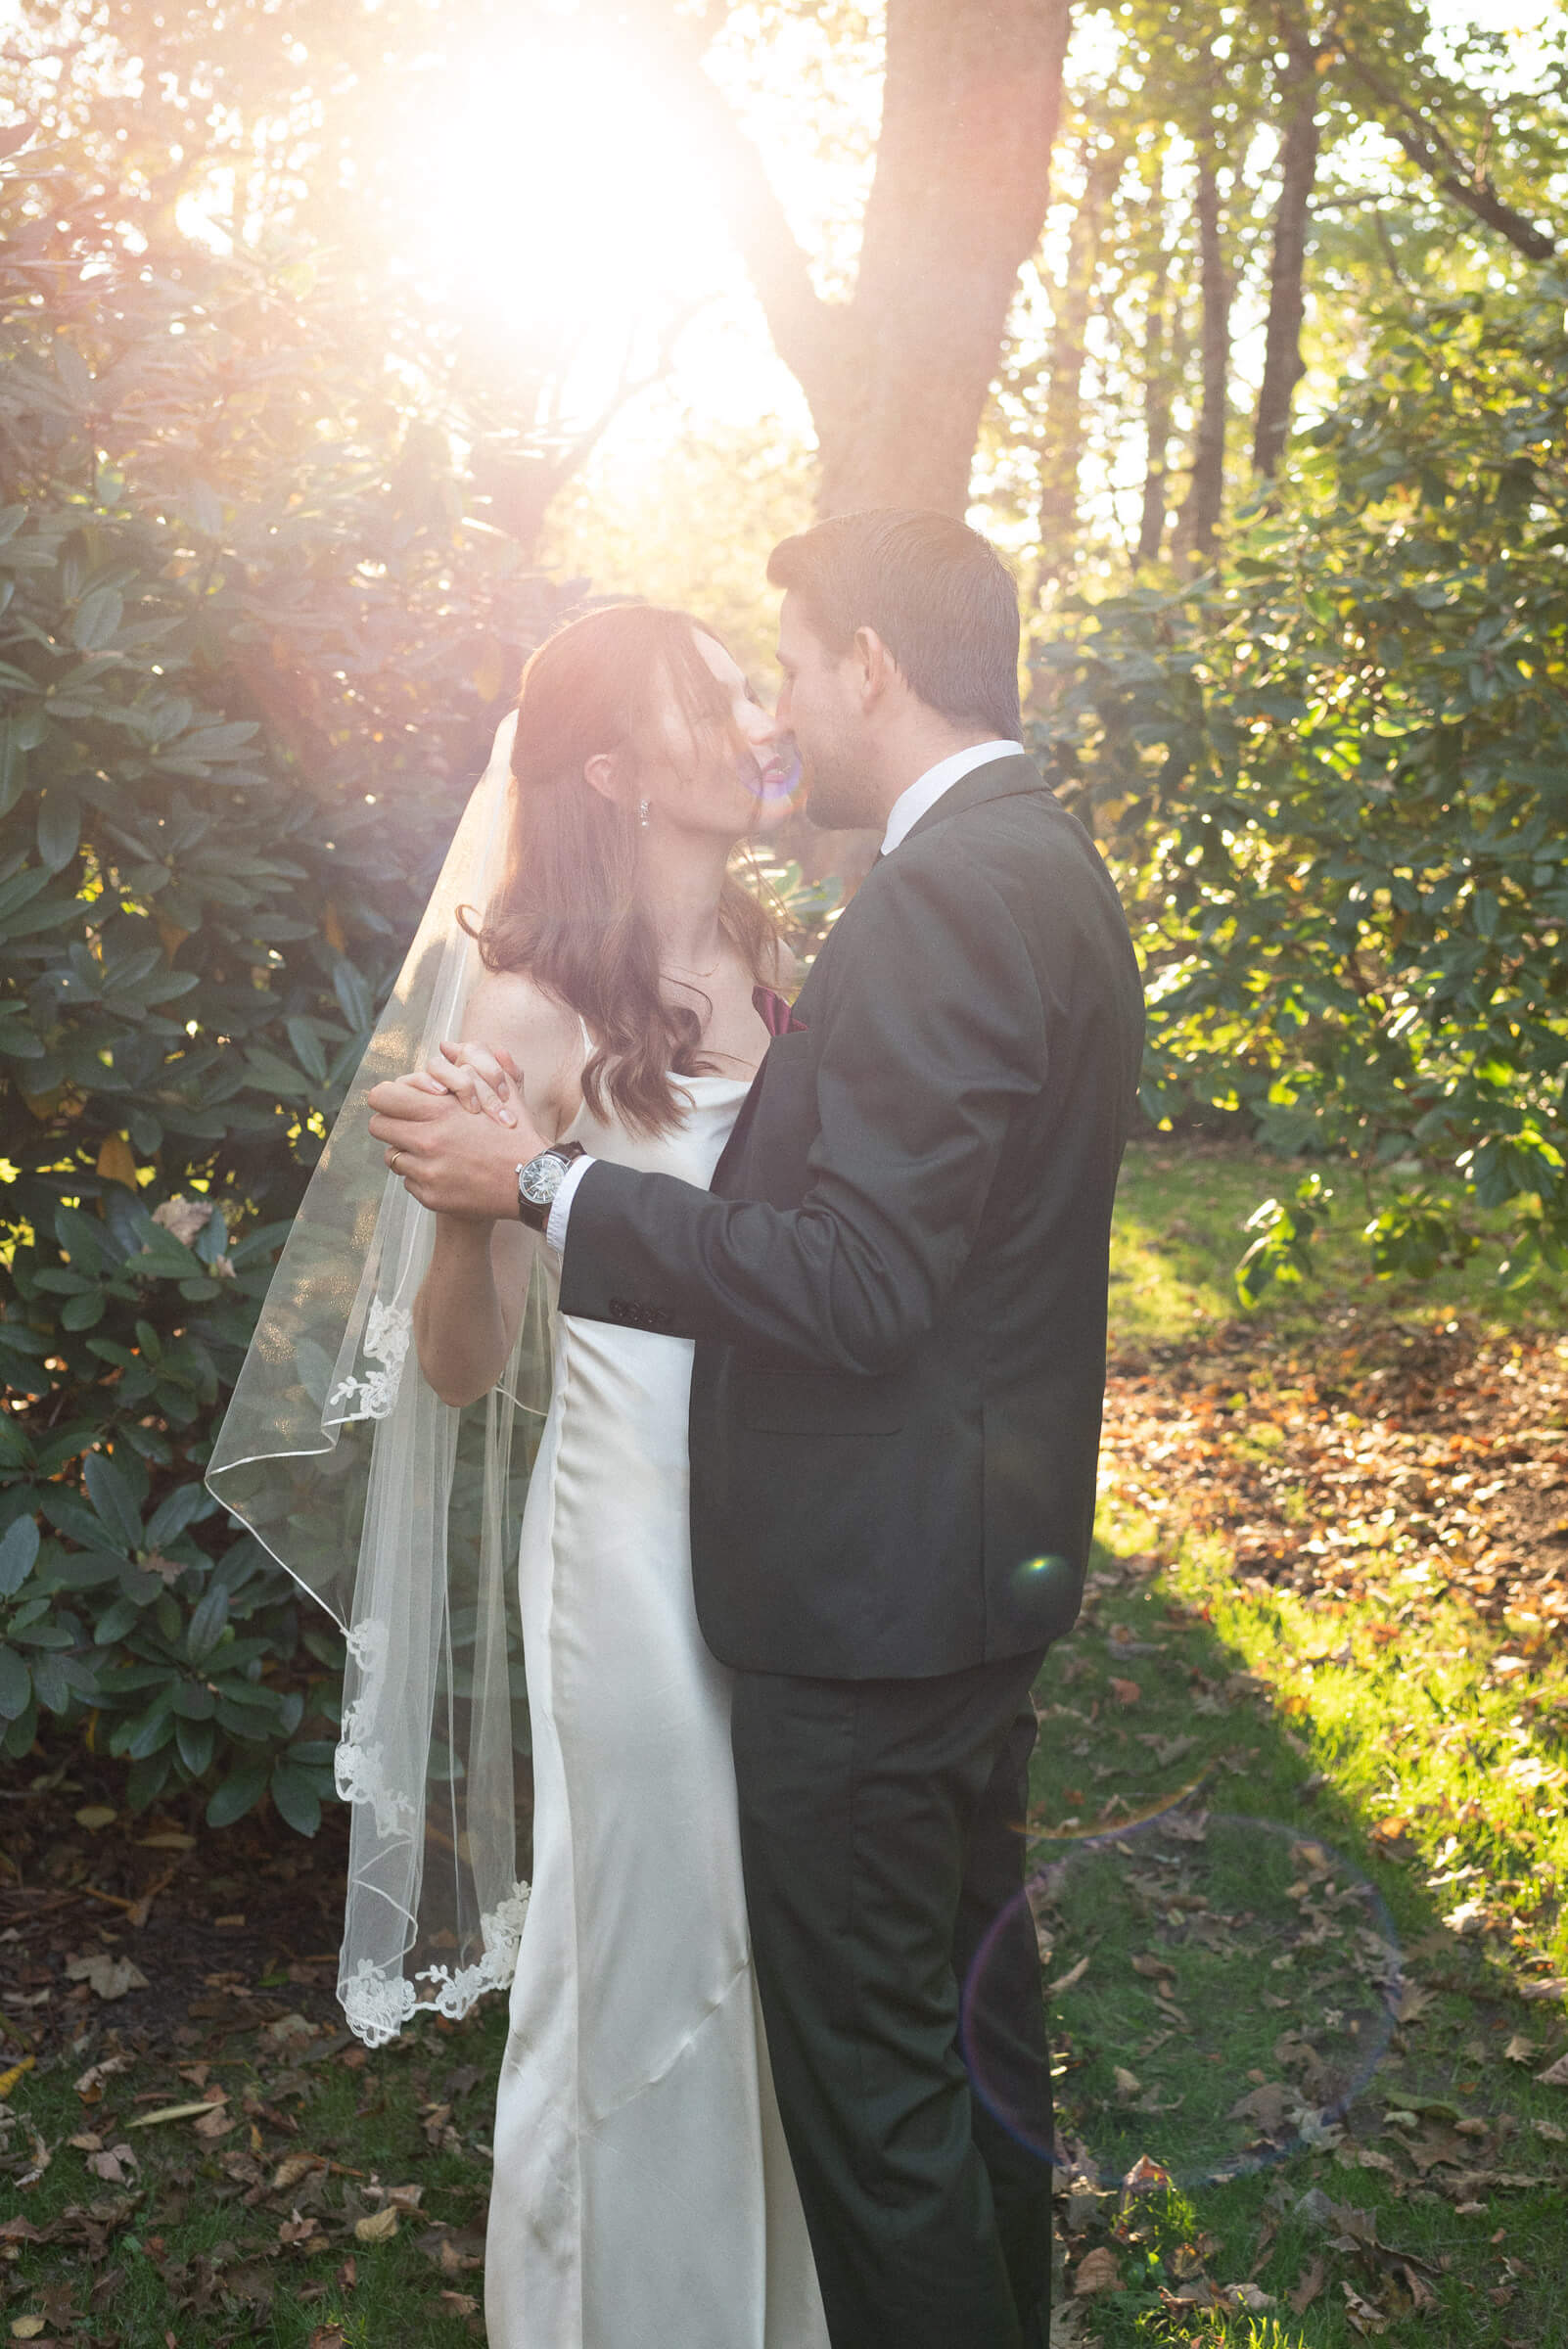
<point x="534" y="1212"/>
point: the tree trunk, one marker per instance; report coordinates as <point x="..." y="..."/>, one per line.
<point x="1282" y="359"/>
<point x="897" y="376"/>
<point x="1162" y="372"/>
<point x="1063" y="452"/>
<point x="1205" y="499"/>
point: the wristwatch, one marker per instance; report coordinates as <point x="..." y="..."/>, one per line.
<point x="541" y="1179"/>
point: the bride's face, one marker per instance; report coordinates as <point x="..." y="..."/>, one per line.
<point x="722" y="778"/>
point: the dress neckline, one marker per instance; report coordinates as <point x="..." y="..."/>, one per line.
<point x="735" y="1085"/>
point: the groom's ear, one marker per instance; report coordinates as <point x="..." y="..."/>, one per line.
<point x="875" y="667"/>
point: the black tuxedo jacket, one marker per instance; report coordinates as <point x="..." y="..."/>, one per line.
<point x="897" y="1281"/>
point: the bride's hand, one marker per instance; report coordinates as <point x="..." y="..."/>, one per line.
<point x="485" y="1081"/>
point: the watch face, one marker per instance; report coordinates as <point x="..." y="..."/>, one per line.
<point x="541" y="1179"/>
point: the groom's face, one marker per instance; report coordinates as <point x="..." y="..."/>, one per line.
<point x="821" y="707"/>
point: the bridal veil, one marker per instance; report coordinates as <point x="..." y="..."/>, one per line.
<point x="400" y="1515"/>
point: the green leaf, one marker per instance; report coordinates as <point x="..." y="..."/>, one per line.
<point x="96" y="620"/>
<point x="239" y="1792"/>
<point x="59" y="827"/>
<point x="307" y="1050"/>
<point x="353" y="995"/>
<point x="145" y="1779"/>
<point x="13" y="767"/>
<point x="174" y="1513"/>
<point x="208" y="1623"/>
<point x="154" y="1729"/>
<point x="15" y="1685"/>
<point x="49" y="1683"/>
<point x="17" y="1551"/>
<point x="19" y="1738"/>
<point x="110" y="1492"/>
<point x="196" y="1742"/>
<point x="296" y="1799"/>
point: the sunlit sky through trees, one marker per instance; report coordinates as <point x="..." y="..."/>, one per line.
<point x="550" y="199"/>
<point x="529" y="191"/>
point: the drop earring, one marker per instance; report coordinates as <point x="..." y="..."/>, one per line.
<point x="643" y="814"/>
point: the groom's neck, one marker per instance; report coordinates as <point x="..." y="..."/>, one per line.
<point x="911" y="748"/>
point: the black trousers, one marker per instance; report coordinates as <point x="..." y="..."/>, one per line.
<point x="881" y="1837"/>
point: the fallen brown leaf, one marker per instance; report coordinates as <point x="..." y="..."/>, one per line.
<point x="1247" y="2295"/>
<point x="1126" y="1693"/>
<point x="1556" y="2075"/>
<point x="176" y="2112"/>
<point x="1311" y="2284"/>
<point x="1265" y="2105"/>
<point x="378" y="2228"/>
<point x="1098" y="2271"/>
<point x="109" y="1977"/>
<point x="294" y="2166"/>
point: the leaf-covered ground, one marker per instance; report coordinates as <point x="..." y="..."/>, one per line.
<point x="1298" y="1849"/>
<point x="1314" y="2006"/>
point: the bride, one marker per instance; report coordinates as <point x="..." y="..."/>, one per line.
<point x="585" y="927"/>
<point x="642" y="2190"/>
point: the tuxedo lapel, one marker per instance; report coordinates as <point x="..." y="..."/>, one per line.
<point x="998" y="779"/>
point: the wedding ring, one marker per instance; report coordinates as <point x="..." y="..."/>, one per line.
<point x="392" y="1163"/>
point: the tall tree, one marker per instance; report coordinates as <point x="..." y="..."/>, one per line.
<point x="1204" y="504"/>
<point x="1296" y="93"/>
<point x="1164" y="357"/>
<point x="896" y="376"/>
<point x="1062" y="451"/>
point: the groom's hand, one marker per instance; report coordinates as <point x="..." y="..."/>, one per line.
<point x="451" y="1162"/>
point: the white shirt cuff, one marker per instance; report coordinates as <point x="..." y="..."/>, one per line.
<point x="555" y="1229"/>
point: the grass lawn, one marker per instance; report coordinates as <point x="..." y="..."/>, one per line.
<point x="1320" y="1996"/>
<point x="1298" y="1845"/>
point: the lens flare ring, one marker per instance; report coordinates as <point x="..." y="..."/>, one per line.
<point x="1288" y="1945"/>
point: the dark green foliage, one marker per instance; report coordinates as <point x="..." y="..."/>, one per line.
<point x="250" y="655"/>
<point x="1335" y="786"/>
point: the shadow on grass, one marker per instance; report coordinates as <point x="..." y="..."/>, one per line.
<point x="1325" y="2091"/>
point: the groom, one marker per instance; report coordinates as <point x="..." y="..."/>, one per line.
<point x="898" y="1289"/>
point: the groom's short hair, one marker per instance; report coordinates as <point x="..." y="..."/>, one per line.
<point x="935" y="592"/>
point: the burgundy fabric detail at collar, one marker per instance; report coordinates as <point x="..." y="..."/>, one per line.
<point x="774" y="1012"/>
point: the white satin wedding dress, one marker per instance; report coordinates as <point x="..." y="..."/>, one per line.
<point x="642" y="2196"/>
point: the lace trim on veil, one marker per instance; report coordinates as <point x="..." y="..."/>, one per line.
<point x="377" y="2004"/>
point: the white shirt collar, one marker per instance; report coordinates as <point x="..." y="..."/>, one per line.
<point x="911" y="804"/>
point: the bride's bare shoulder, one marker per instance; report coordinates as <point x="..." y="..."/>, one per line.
<point x="508" y="1009"/>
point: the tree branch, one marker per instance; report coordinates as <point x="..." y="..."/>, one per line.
<point x="1430" y="151"/>
<point x="802" y="326"/>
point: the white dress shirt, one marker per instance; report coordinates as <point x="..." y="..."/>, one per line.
<point x="927" y="789"/>
<point x="904" y="815"/>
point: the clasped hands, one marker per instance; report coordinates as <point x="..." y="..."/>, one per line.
<point x="456" y="1131"/>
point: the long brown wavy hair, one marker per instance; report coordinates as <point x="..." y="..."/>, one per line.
<point x="567" y="910"/>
